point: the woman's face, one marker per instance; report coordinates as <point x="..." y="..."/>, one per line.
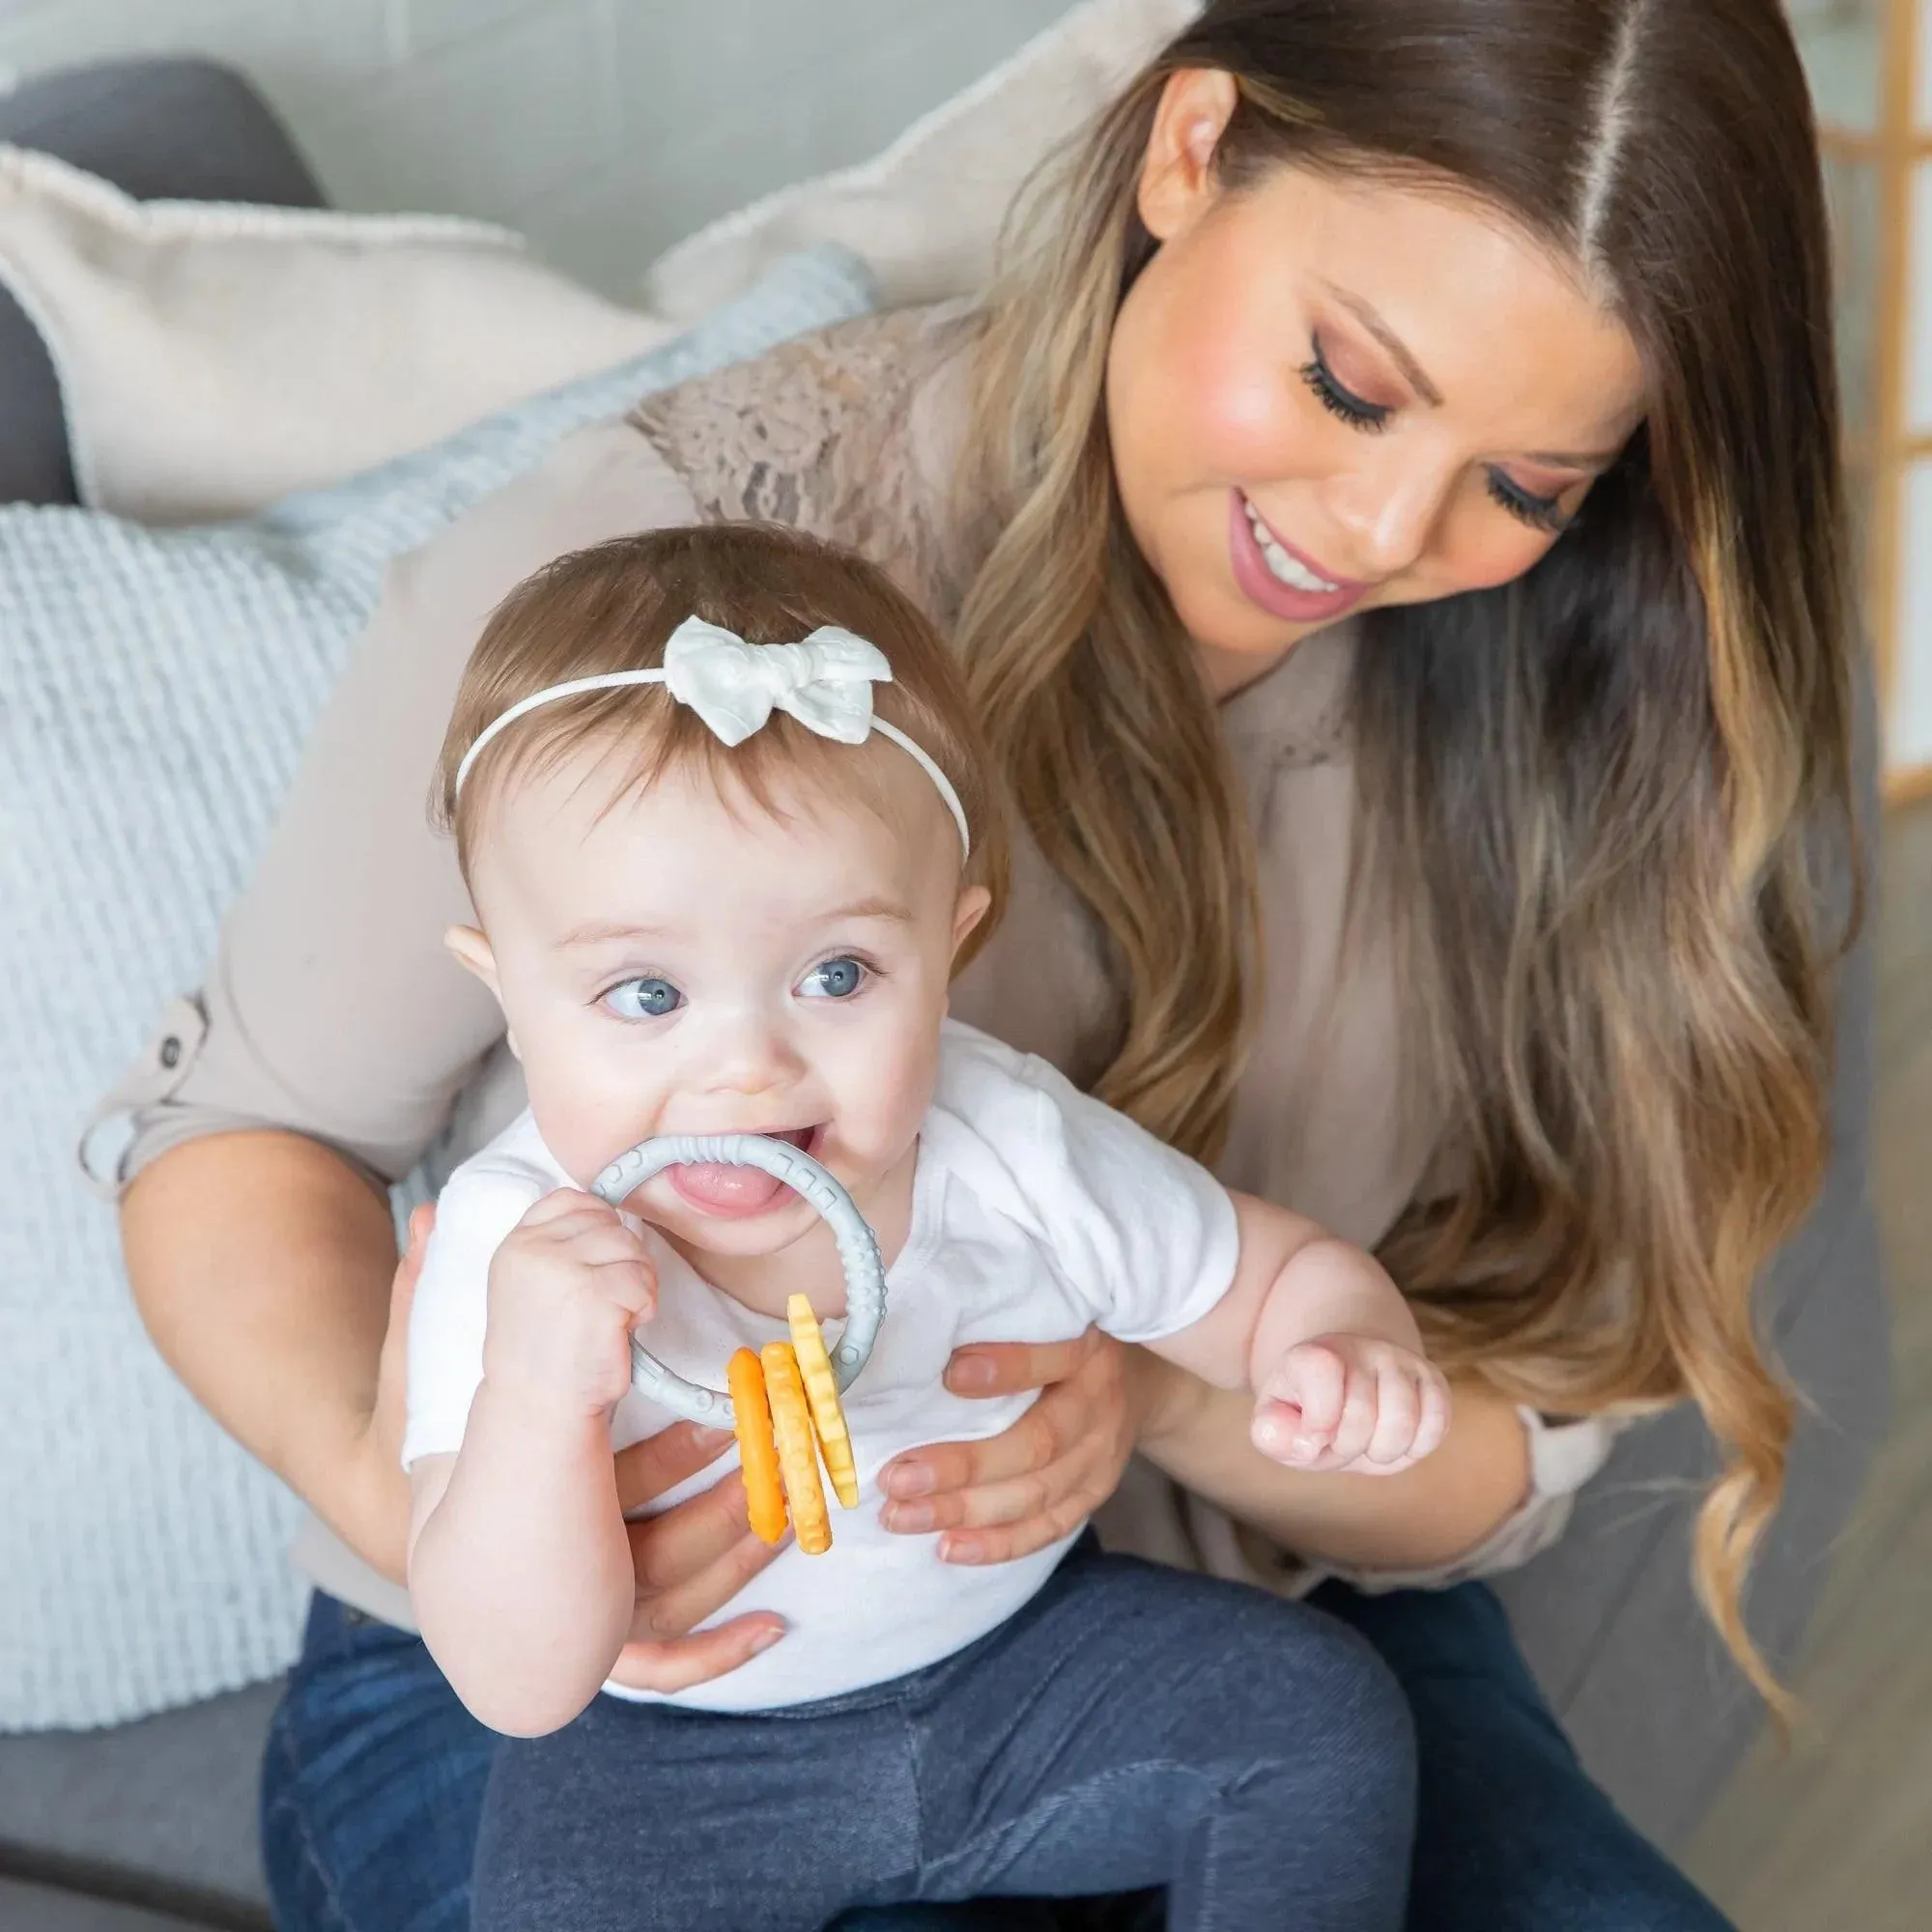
<point x="1325" y="395"/>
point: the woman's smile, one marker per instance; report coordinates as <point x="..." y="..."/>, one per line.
<point x="1283" y="580"/>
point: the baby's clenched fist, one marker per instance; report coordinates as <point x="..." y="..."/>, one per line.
<point x="1351" y="1401"/>
<point x="566" y="1287"/>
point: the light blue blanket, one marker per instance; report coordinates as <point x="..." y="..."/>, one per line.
<point x="155" y="691"/>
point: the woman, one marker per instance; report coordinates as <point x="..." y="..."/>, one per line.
<point x="1388" y="511"/>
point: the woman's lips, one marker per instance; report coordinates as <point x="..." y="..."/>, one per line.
<point x="1317" y="599"/>
<point x="736" y="1193"/>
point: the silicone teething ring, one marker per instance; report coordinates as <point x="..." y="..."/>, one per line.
<point x="858" y="1252"/>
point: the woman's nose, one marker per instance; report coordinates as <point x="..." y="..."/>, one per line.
<point x="1389" y="511"/>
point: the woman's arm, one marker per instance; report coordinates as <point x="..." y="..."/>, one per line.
<point x="998" y="1500"/>
<point x="1427" y="1516"/>
<point x="263" y="1265"/>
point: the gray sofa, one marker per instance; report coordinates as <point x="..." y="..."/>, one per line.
<point x="152" y="1824"/>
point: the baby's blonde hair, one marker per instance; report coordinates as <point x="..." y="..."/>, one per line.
<point x="613" y="607"/>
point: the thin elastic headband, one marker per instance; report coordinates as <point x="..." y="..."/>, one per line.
<point x="824" y="681"/>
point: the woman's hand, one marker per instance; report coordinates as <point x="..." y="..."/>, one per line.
<point x="1018" y="1491"/>
<point x="690" y="1561"/>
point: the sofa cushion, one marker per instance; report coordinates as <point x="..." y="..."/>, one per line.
<point x="164" y="1807"/>
<point x="37" y="1908"/>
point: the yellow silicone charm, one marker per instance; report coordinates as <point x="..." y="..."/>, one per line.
<point x="798" y="1452"/>
<point x="758" y="1448"/>
<point x="821" y="1391"/>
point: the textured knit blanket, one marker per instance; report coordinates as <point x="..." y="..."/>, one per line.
<point x="155" y="691"/>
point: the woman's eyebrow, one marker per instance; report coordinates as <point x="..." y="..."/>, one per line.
<point x="1364" y="312"/>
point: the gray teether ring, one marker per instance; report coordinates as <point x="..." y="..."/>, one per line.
<point x="865" y="1272"/>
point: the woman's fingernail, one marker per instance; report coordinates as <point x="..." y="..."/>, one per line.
<point x="909" y="1479"/>
<point x="1303" y="1445"/>
<point x="972" y="1372"/>
<point x="1267" y="1432"/>
<point x="963" y="1550"/>
<point x="765" y="1640"/>
<point x="705" y="1437"/>
<point x="908" y="1519"/>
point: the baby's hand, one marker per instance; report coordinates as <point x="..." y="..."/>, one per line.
<point x="566" y="1287"/>
<point x="1345" y="1402"/>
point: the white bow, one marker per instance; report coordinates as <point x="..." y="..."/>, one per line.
<point x="824" y="681"/>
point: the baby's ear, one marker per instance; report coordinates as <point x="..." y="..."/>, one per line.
<point x="471" y="947"/>
<point x="972" y="906"/>
<point x="472" y="951"/>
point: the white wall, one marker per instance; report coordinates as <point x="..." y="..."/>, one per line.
<point x="605" y="129"/>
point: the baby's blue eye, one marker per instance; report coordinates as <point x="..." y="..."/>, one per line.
<point x="833" y="980"/>
<point x="643" y="999"/>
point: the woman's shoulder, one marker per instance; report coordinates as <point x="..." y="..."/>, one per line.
<point x="845" y="434"/>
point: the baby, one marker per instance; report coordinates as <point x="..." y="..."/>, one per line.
<point x="729" y="832"/>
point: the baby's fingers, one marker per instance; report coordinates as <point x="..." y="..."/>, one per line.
<point x="1360" y="1408"/>
<point x="1434" y="1425"/>
<point x="632" y="1285"/>
<point x="1398" y="1412"/>
<point x="1301" y="1406"/>
<point x="558" y="1203"/>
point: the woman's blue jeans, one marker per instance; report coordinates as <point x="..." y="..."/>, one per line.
<point x="373" y="1784"/>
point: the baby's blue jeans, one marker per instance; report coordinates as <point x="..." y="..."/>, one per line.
<point x="1131" y="1727"/>
<point x="373" y="1778"/>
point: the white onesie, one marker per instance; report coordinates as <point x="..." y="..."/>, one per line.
<point x="1036" y="1211"/>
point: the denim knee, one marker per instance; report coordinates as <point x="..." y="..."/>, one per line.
<point x="1362" y="1710"/>
<point x="1282" y="1672"/>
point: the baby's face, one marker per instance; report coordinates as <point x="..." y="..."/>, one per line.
<point x="677" y="962"/>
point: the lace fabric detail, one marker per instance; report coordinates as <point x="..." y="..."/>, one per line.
<point x="854" y="435"/>
<point x="845" y="434"/>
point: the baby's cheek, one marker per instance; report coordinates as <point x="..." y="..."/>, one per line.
<point x="589" y="1115"/>
<point x="884" y="1085"/>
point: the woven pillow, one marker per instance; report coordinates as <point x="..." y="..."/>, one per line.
<point x="923" y="214"/>
<point x="155" y="691"/>
<point x="214" y="358"/>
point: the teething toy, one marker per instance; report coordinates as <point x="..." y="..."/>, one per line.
<point x="798" y="1450"/>
<point x="757" y="1446"/>
<point x="858" y="1251"/>
<point x="821" y="1393"/>
<point x="782" y="1406"/>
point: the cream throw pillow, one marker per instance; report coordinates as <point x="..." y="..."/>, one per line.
<point x="923" y="215"/>
<point x="213" y="358"/>
<point x="216" y="359"/>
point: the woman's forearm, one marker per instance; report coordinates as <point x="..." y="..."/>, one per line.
<point x="1432" y="1514"/>
<point x="261" y="1264"/>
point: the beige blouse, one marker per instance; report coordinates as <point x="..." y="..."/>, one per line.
<point x="331" y="1008"/>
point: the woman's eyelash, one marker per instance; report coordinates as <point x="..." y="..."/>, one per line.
<point x="1540" y="512"/>
<point x="1338" y="401"/>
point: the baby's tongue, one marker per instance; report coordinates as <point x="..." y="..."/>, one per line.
<point x="727" y="1191"/>
<point x="722" y="1189"/>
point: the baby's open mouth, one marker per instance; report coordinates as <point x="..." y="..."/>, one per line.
<point x="714" y="1188"/>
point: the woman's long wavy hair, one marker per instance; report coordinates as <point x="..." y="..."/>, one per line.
<point x="1587" y="796"/>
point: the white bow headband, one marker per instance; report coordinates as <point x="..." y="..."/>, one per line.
<point x="824" y="681"/>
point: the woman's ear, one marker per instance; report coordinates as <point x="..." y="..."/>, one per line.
<point x="974" y="902"/>
<point x="1178" y="172"/>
